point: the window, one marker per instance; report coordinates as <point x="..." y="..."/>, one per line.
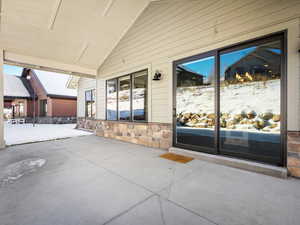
<point x="111" y="99"/>
<point x="90" y="105"/>
<point x="126" y="97"/>
<point x="43" y="107"/>
<point x="21" y="108"/>
<point x="94" y="103"/>
<point x="18" y="109"/>
<point x="139" y="96"/>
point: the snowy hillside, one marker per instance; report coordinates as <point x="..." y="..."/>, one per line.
<point x="254" y="106"/>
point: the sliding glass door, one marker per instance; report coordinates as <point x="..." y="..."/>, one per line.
<point x="250" y="93"/>
<point x="231" y="101"/>
<point x="195" y="103"/>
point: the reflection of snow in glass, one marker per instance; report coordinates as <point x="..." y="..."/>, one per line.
<point x="124" y="104"/>
<point x="237" y="98"/>
<point x="260" y="98"/>
<point x="138" y="101"/>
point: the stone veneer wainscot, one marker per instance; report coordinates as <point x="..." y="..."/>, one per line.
<point x="293" y="156"/>
<point x="156" y="135"/>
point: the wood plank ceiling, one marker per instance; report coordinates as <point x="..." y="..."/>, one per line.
<point x="67" y="35"/>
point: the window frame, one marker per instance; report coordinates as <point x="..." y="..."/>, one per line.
<point x="117" y="97"/>
<point x="92" y="103"/>
<point x="280" y="35"/>
<point x="131" y="77"/>
<point x="130" y="98"/>
<point x="146" y="99"/>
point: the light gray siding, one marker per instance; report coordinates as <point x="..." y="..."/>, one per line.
<point x="170" y="30"/>
<point x="84" y="84"/>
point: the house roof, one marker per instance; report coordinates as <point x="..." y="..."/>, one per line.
<point x="183" y="68"/>
<point x="55" y="84"/>
<point x="14" y="87"/>
<point x="264" y="54"/>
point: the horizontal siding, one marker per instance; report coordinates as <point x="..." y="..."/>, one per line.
<point x="101" y="102"/>
<point x="166" y="38"/>
<point x="84" y="84"/>
<point x="170" y="30"/>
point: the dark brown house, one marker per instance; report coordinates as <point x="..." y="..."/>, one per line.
<point x="188" y="78"/>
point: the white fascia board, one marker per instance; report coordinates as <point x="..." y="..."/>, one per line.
<point x="46" y="64"/>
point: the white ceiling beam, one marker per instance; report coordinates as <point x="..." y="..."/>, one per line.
<point x="1" y="14"/>
<point x="48" y="65"/>
<point x="55" y="11"/>
<point x="82" y="51"/>
<point x="108" y="7"/>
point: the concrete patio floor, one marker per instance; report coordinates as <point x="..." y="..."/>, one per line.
<point x="91" y="180"/>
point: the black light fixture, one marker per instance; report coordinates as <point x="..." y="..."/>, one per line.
<point x="157" y="75"/>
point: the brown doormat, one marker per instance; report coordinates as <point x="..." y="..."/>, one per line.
<point x="176" y="157"/>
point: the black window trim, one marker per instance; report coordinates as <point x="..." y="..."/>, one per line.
<point x="280" y="35"/>
<point x="116" y="79"/>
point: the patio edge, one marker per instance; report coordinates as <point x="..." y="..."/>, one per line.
<point x="273" y="171"/>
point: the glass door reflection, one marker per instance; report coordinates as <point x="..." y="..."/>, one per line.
<point x="231" y="101"/>
<point x="250" y="93"/>
<point x="195" y="104"/>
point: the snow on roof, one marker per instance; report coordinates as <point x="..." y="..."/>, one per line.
<point x="55" y="83"/>
<point x="13" y="86"/>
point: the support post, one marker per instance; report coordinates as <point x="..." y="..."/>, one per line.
<point x="2" y="142"/>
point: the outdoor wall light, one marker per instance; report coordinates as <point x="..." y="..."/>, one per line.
<point x="157" y="75"/>
<point x="28" y="77"/>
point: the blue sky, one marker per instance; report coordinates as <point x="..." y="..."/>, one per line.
<point x="228" y="59"/>
<point x="12" y="70"/>
<point x="206" y="66"/>
<point x="203" y="66"/>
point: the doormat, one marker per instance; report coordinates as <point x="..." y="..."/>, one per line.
<point x="176" y="157"/>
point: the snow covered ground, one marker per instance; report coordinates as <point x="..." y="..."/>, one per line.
<point x="236" y="98"/>
<point x="26" y="133"/>
<point x="260" y="100"/>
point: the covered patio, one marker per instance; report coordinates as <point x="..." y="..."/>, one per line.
<point x="60" y="36"/>
<point x="93" y="180"/>
<point x="135" y="50"/>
